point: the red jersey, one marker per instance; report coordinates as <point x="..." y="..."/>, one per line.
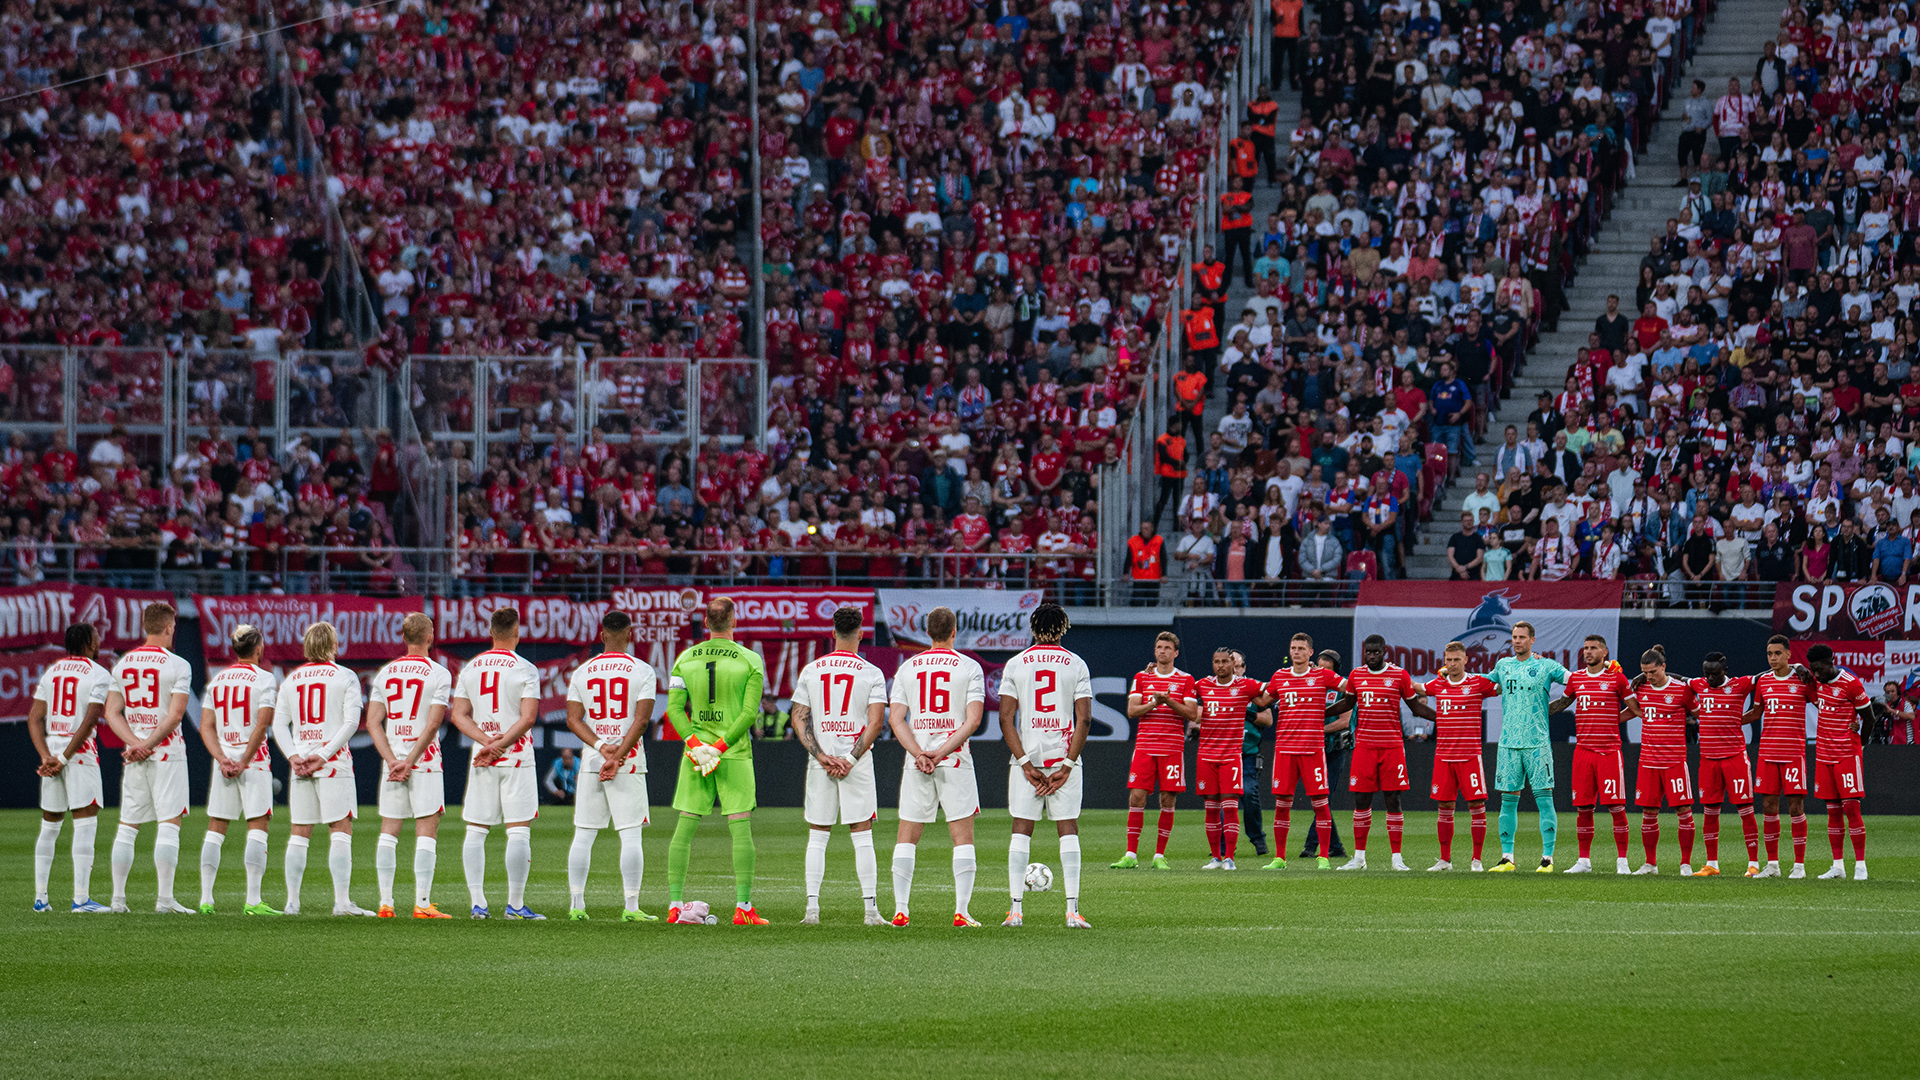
<point x="1223" y="716"/>
<point x="1161" y="730"/>
<point x="1377" y="713"/>
<point x="1721" y="710"/>
<point x="1783" y="725"/>
<point x="1300" y="713"/>
<point x="1597" y="703"/>
<point x="1459" y="727"/>
<point x="1834" y="737"/>
<point x="1663" y="722"/>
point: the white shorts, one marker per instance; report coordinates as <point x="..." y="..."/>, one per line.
<point x="153" y="790"/>
<point x="1022" y="803"/>
<point x="847" y="800"/>
<point x="75" y="787"/>
<point x="242" y="798"/>
<point x="421" y="794"/>
<point x="620" y="802"/>
<point x="323" y="800"/>
<point x="497" y="794"/>
<point x="923" y="797"/>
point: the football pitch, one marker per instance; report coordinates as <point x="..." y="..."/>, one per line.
<point x="1185" y="974"/>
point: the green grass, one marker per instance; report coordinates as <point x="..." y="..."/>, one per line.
<point x="1186" y="974"/>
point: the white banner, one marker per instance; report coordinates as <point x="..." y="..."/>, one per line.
<point x="1420" y="618"/>
<point x="990" y="619"/>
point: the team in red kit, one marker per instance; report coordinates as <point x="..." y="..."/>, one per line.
<point x="1716" y="706"/>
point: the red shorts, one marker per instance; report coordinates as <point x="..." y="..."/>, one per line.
<point x="1839" y="780"/>
<point x="1167" y="772"/>
<point x="1781" y="778"/>
<point x="1308" y="769"/>
<point x="1459" y="780"/>
<point x="1378" y="768"/>
<point x="1219" y="777"/>
<point x="1658" y="782"/>
<point x="1726" y="779"/>
<point x="1599" y="778"/>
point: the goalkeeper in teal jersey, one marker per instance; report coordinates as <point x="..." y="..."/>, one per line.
<point x="713" y="699"/>
<point x="1526" y="754"/>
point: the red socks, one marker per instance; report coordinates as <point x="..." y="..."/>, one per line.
<point x="1479" y="824"/>
<point x="1166" y="830"/>
<point x="1396" y="828"/>
<point x="1770" y="834"/>
<point x="1446" y="834"/>
<point x="1620" y="831"/>
<point x="1711" y="834"/>
<point x="1686" y="836"/>
<point x="1136" y="819"/>
<point x="1856" y="827"/>
<point x="1362" y="824"/>
<point x="1798" y="824"/>
<point x="1583" y="828"/>
<point x="1650" y="835"/>
<point x="1282" y="813"/>
<point x="1836" y="829"/>
<point x="1213" y="827"/>
<point x="1750" y="832"/>
<point x="1229" y="827"/>
<point x="1323" y="821"/>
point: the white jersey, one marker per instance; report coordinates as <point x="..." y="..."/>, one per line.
<point x="936" y="686"/>
<point x="317" y="712"/>
<point x="836" y="689"/>
<point x="495" y="683"/>
<point x="146" y="679"/>
<point x="609" y="687"/>
<point x="1045" y="681"/>
<point x="69" y="687"/>
<point x="409" y="687"/>
<point x="235" y="696"/>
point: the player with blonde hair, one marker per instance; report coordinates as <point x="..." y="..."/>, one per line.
<point x="317" y="713"/>
<point x="145" y="706"/>
<point x="235" y="716"/>
<point x="404" y="714"/>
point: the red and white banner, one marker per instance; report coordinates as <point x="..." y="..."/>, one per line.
<point x="368" y="626"/>
<point x="993" y="619"/>
<point x="19" y="673"/>
<point x="40" y="614"/>
<point x="1846" y="612"/>
<point x="1420" y="619"/>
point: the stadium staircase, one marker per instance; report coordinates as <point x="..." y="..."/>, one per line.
<point x="1731" y="46"/>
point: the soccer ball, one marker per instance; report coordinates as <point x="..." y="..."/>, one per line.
<point x="1039" y="877"/>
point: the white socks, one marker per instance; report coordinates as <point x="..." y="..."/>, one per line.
<point x="1018" y="848"/>
<point x="43" y="848"/>
<point x="210" y="845"/>
<point x="579" y="862"/>
<point x="816" y="864"/>
<point x="473" y="854"/>
<point x="255" y="860"/>
<point x="340" y="865"/>
<point x="166" y="857"/>
<point x="84" y="830"/>
<point x="123" y="839"/>
<point x="633" y="865"/>
<point x="1070" y="870"/>
<point x="426" y="852"/>
<point x="864" y="866"/>
<point x="386" y="861"/>
<point x="903" y="859"/>
<point x="295" y="869"/>
<point x="963" y="871"/>
<point x="519" y="864"/>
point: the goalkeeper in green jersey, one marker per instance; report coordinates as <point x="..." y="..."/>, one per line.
<point x="1526" y="753"/>
<point x="713" y="699"/>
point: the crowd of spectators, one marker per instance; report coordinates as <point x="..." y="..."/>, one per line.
<point x="1751" y="411"/>
<point x="1450" y="165"/>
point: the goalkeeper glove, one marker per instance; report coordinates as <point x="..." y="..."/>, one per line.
<point x="706" y="756"/>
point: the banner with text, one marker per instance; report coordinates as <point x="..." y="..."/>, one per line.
<point x="1420" y="619"/>
<point x="40" y="614"/>
<point x="989" y="619"/>
<point x="19" y="674"/>
<point x="1846" y="612"/>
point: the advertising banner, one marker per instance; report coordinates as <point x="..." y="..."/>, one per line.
<point x="1846" y="612"/>
<point x="40" y="614"/>
<point x="19" y="674"/>
<point x="989" y="619"/>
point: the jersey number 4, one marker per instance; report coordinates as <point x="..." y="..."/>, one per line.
<point x="490" y="686"/>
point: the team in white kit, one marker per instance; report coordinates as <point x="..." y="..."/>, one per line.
<point x="840" y="706"/>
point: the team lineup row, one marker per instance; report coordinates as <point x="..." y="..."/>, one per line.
<point x="840" y="706"/>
